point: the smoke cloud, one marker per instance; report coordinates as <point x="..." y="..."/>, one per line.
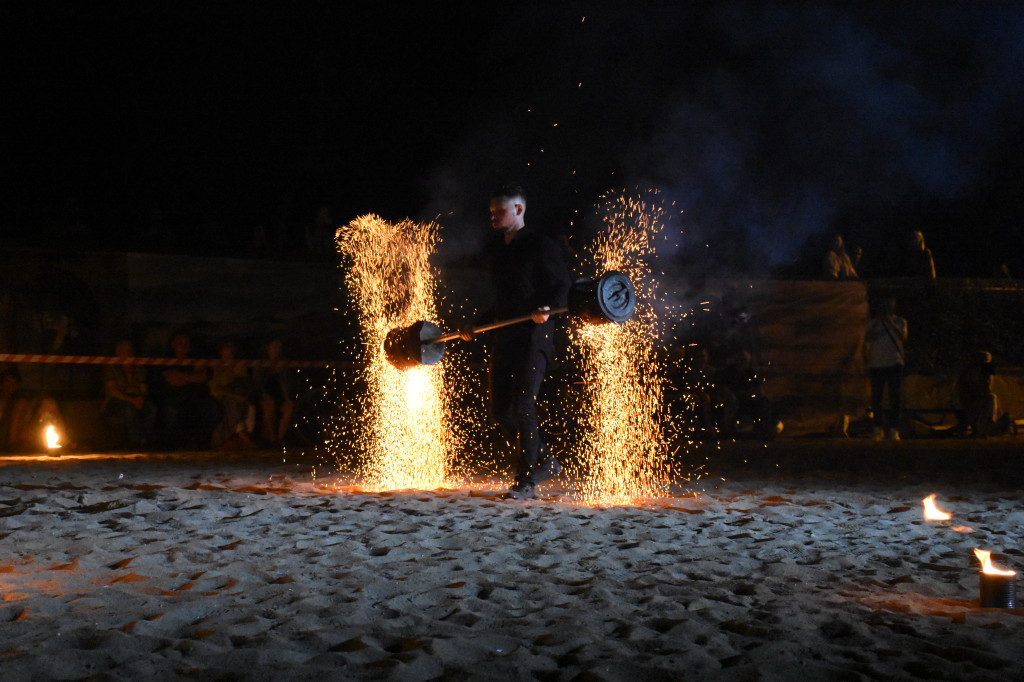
<point x="771" y="125"/>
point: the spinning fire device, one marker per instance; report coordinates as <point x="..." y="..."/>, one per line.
<point x="609" y="298"/>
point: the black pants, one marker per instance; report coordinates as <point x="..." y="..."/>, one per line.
<point x="883" y="378"/>
<point x="515" y="383"/>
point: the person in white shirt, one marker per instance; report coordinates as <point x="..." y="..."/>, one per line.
<point x="885" y="358"/>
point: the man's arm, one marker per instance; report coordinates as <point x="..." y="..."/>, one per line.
<point x="553" y="285"/>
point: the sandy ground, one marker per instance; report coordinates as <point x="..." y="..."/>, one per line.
<point x="810" y="558"/>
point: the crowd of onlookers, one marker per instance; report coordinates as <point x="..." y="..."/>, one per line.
<point x="182" y="406"/>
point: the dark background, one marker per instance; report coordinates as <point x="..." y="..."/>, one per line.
<point x="193" y="128"/>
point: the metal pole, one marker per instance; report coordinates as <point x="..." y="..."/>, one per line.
<point x="451" y="336"/>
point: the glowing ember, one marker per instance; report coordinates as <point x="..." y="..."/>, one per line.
<point x="622" y="453"/>
<point x="933" y="513"/>
<point x="403" y="430"/>
<point x="52" y="439"/>
<point x="986" y="564"/>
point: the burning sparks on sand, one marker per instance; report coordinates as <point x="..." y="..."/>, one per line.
<point x="403" y="431"/>
<point x="933" y="513"/>
<point x="622" y="450"/>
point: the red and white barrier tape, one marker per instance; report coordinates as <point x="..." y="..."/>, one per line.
<point x="191" y="362"/>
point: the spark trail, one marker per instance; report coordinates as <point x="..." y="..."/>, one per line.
<point x="622" y="451"/>
<point x="402" y="432"/>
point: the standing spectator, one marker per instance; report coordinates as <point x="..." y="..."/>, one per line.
<point x="231" y="387"/>
<point x="127" y="397"/>
<point x="837" y="264"/>
<point x="919" y="258"/>
<point x="885" y="358"/>
<point x="979" y="404"/>
<point x="188" y="412"/>
<point x="276" y="393"/>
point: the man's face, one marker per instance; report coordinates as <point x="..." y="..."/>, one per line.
<point x="505" y="213"/>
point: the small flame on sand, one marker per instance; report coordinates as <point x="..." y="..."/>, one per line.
<point x="986" y="564"/>
<point x="933" y="513"/>
<point x="52" y="439"/>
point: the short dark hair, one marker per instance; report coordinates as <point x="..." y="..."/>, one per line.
<point x="509" y="190"/>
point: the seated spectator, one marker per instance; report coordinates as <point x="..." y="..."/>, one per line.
<point x="979" y="405"/>
<point x="188" y="413"/>
<point x="742" y="398"/>
<point x="127" y="398"/>
<point x="920" y="262"/>
<point x="276" y="393"/>
<point x="15" y="407"/>
<point x="231" y="387"/>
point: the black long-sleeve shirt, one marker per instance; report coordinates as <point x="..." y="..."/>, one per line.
<point x="527" y="273"/>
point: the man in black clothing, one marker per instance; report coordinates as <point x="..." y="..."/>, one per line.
<point x="528" y="277"/>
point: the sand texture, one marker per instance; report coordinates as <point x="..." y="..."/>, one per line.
<point x="220" y="567"/>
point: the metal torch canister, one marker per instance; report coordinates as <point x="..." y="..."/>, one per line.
<point x="997" y="591"/>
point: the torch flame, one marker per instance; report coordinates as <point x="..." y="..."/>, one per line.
<point x="933" y="513"/>
<point x="52" y="439"/>
<point x="986" y="564"/>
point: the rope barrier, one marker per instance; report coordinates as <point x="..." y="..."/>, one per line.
<point x="176" y="362"/>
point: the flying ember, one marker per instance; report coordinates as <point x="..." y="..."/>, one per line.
<point x="403" y="429"/>
<point x="622" y="451"/>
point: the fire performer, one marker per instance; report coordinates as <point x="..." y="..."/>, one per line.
<point x="529" y="277"/>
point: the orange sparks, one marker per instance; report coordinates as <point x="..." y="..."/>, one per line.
<point x="933" y="513"/>
<point x="402" y="427"/>
<point x="986" y="564"/>
<point x="623" y="451"/>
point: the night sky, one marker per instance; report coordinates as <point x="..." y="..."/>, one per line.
<point x="773" y="126"/>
